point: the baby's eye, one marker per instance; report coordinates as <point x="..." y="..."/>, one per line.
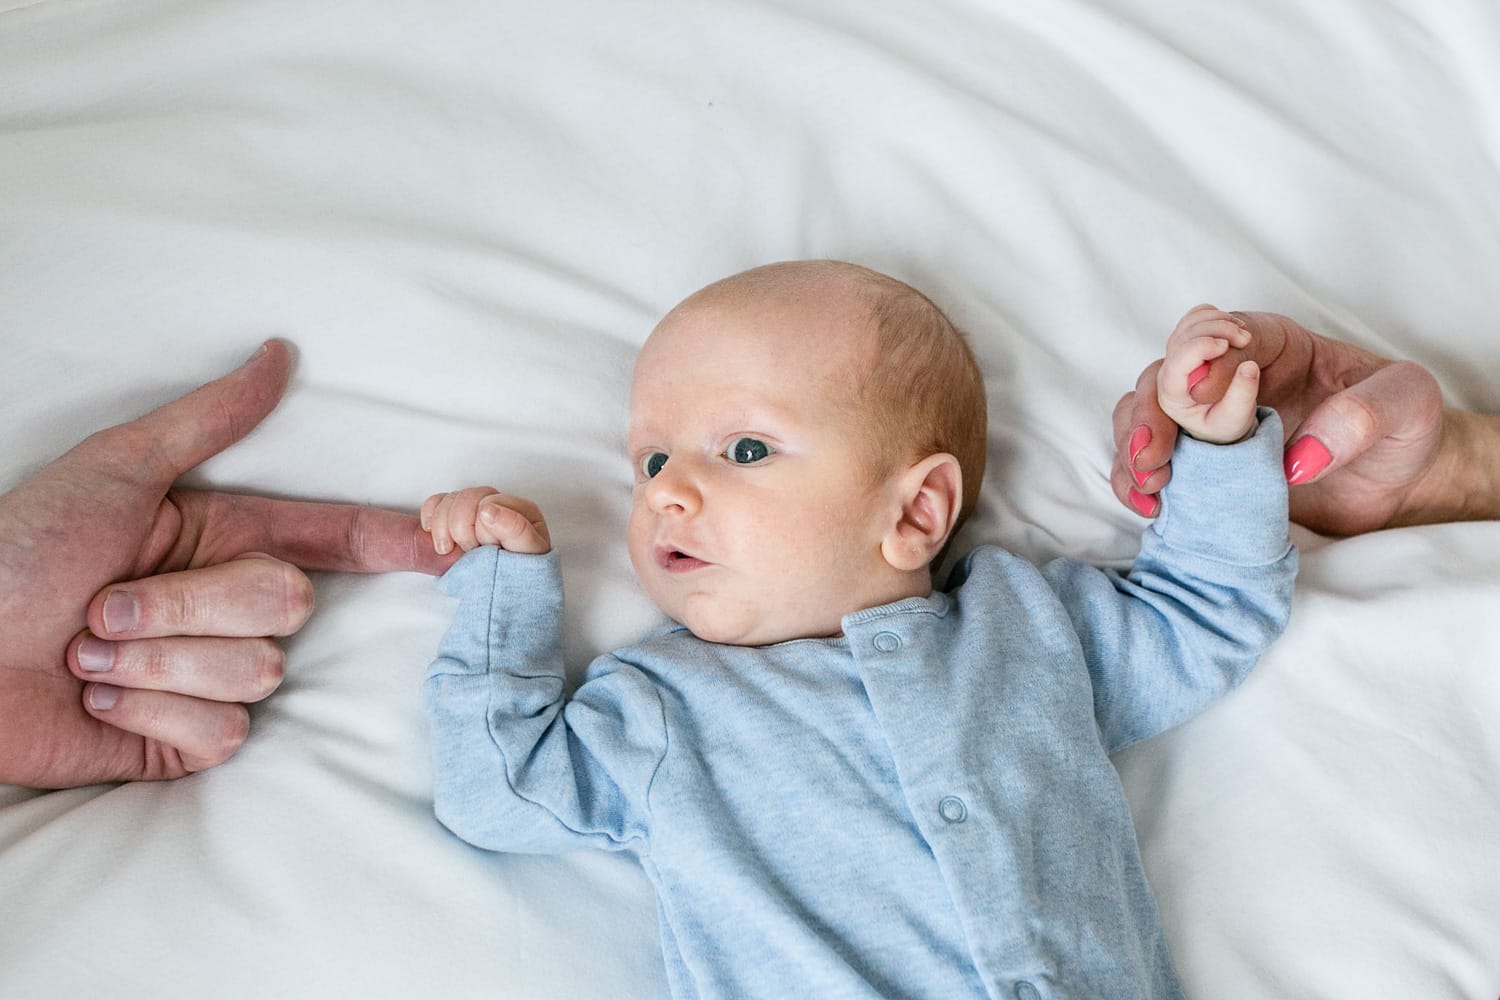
<point x="747" y="451"/>
<point x="652" y="463"/>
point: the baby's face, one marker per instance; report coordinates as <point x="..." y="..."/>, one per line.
<point x="757" y="516"/>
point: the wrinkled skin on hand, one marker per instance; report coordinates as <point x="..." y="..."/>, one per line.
<point x="212" y="575"/>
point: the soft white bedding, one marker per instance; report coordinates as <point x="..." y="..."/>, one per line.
<point x="468" y="215"/>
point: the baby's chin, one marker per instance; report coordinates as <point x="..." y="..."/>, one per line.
<point x="736" y="628"/>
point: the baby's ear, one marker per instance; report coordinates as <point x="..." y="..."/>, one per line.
<point x="931" y="493"/>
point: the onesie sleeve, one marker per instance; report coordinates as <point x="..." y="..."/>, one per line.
<point x="1209" y="591"/>
<point x="518" y="765"/>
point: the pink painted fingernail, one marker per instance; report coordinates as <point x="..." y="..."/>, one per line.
<point x="121" y="612"/>
<point x="103" y="697"/>
<point x="1197" y="375"/>
<point x="1139" y="438"/>
<point x="1305" y="459"/>
<point x="1144" y="505"/>
<point x="96" y="655"/>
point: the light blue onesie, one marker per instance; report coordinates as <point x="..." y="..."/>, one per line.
<point x="922" y="807"/>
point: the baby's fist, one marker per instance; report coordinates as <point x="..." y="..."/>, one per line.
<point x="1203" y="337"/>
<point x="481" y="515"/>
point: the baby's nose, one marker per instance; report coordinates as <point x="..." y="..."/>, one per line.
<point x="673" y="490"/>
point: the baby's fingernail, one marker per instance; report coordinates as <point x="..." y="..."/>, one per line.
<point x="1305" y="459"/>
<point x="1197" y="375"/>
<point x="1144" y="505"/>
<point x="490" y="515"/>
<point x="96" y="655"/>
<point x="121" y="612"/>
<point x="103" y="697"/>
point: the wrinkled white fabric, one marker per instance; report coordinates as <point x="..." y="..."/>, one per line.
<point x="468" y="215"/>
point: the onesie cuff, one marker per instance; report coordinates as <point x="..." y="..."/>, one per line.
<point x="503" y="597"/>
<point x="489" y="565"/>
<point x="1228" y="501"/>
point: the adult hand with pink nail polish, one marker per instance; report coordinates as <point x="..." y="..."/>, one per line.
<point x="1370" y="444"/>
<point x="136" y="620"/>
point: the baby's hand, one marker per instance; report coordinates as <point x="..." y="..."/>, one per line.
<point x="1202" y="336"/>
<point x="481" y="515"/>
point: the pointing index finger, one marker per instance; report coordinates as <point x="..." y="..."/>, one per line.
<point x="317" y="536"/>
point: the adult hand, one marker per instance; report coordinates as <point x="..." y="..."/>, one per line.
<point x="135" y="618"/>
<point x="1369" y="443"/>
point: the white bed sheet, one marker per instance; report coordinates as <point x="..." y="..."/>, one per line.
<point x="468" y="215"/>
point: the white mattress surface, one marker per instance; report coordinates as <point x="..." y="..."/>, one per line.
<point x="467" y="216"/>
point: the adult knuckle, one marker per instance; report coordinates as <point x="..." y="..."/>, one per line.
<point x="1357" y="415"/>
<point x="174" y="607"/>
<point x="269" y="667"/>
<point x="232" y="731"/>
<point x="1120" y="418"/>
<point x="1421" y="384"/>
<point x="153" y="665"/>
<point x="150" y="715"/>
<point x="354" y="536"/>
<point x="293" y="598"/>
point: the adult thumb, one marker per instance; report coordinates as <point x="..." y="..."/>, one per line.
<point x="173" y="438"/>
<point x="1398" y="405"/>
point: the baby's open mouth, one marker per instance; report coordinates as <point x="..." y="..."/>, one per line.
<point x="677" y="561"/>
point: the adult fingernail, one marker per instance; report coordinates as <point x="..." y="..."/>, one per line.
<point x="1144" y="505"/>
<point x="258" y="352"/>
<point x="96" y="655"/>
<point x="121" y="612"/>
<point x="1305" y="459"/>
<point x="1139" y="438"/>
<point x="1197" y="375"/>
<point x="103" y="697"/>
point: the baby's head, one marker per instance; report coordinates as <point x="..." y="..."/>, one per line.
<point x="807" y="436"/>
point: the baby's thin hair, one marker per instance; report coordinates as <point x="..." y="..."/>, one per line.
<point x="923" y="384"/>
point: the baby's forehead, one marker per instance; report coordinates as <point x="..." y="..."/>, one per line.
<point x="795" y="327"/>
<point x="742" y="377"/>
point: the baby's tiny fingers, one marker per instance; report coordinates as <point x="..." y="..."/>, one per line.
<point x="1185" y="366"/>
<point x="1233" y="417"/>
<point x="1218" y="324"/>
<point x="429" y="507"/>
<point x="512" y="523"/>
<point x="442" y="538"/>
<point x="1209" y="321"/>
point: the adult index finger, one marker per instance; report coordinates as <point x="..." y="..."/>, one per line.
<point x="317" y="536"/>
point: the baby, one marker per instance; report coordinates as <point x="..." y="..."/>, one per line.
<point x="841" y="781"/>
